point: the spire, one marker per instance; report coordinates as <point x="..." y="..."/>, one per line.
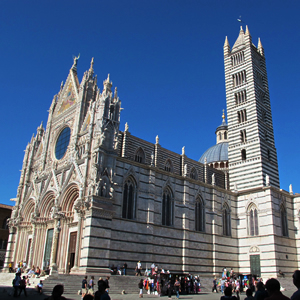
<point x="107" y="84"/>
<point x="247" y="31"/>
<point x="91" y="70"/>
<point x="260" y="48"/>
<point x="226" y="47"/>
<point x="240" y="40"/>
<point x="226" y="44"/>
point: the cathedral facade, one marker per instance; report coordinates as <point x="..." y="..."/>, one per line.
<point x="91" y="195"/>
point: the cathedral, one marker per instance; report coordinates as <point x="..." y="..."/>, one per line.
<point x="91" y="195"/>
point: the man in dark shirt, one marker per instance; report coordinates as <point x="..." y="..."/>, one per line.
<point x="84" y="286"/>
<point x="124" y="268"/>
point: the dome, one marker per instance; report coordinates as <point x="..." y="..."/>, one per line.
<point x="218" y="152"/>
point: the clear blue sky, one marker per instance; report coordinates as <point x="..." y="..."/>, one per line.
<point x="165" y="57"/>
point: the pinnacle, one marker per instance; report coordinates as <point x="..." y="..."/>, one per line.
<point x="226" y="43"/>
<point x="247" y="31"/>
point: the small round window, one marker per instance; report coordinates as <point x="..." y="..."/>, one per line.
<point x="62" y="143"/>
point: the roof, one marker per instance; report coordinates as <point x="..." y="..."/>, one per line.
<point x="218" y="152"/>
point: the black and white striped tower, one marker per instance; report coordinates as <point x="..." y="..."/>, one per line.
<point x="251" y="154"/>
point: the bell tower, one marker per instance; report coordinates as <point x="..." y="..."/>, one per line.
<point x="252" y="154"/>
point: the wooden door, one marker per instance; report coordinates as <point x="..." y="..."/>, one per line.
<point x="72" y="250"/>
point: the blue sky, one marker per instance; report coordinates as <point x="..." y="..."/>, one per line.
<point x="165" y="57"/>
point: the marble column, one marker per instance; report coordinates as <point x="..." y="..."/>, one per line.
<point x="78" y="237"/>
<point x="9" y="249"/>
<point x="53" y="265"/>
<point x="29" y="263"/>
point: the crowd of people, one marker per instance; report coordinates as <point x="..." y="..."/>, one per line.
<point x="255" y="288"/>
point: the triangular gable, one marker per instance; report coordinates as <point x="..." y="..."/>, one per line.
<point x="86" y="122"/>
<point x="69" y="95"/>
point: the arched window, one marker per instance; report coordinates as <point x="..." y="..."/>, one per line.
<point x="199" y="215"/>
<point x="168" y="166"/>
<point x="284" y="221"/>
<point x="167" y="208"/>
<point x="226" y="220"/>
<point x="140" y="156"/>
<point x="129" y="199"/>
<point x="194" y="174"/>
<point x="252" y="220"/>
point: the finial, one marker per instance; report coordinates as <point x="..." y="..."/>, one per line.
<point x="259" y="44"/>
<point x="61" y="85"/>
<point x="116" y="93"/>
<point x="157" y="139"/>
<point x="291" y="189"/>
<point x="223" y="116"/>
<point x="126" y="126"/>
<point x="183" y="150"/>
<point x="41" y="126"/>
<point x="241" y="29"/>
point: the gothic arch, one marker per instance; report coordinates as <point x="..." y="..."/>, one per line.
<point x="129" y="197"/>
<point x="167" y="206"/>
<point x="46" y="204"/>
<point x="252" y="219"/>
<point x="28" y="209"/>
<point x="194" y="173"/>
<point x="168" y="165"/>
<point x="226" y="218"/>
<point x="199" y="214"/>
<point x="131" y="172"/>
<point x="139" y="155"/>
<point x="69" y="197"/>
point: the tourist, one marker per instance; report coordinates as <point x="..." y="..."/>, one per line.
<point x="40" y="287"/>
<point x="139" y="268"/>
<point x="261" y="293"/>
<point x="101" y="293"/>
<point x="16" y="284"/>
<point x="57" y="292"/>
<point x="140" y="286"/>
<point x="296" y="281"/>
<point x="22" y="286"/>
<point x="37" y="272"/>
<point x="124" y="268"/>
<point x="273" y="288"/>
<point x="10" y="267"/>
<point x="214" y="287"/>
<point x="91" y="286"/>
<point x="228" y="294"/>
<point x="107" y="284"/>
<point x="249" y="295"/>
<point x="177" y="287"/>
<point x="84" y="286"/>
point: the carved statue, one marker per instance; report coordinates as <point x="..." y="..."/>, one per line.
<point x="152" y="159"/>
<point x="185" y="170"/>
<point x="75" y="60"/>
<point x="213" y="179"/>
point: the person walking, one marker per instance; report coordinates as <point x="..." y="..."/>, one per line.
<point x="22" y="286"/>
<point x="214" y="287"/>
<point x="177" y="287"/>
<point x="84" y="286"/>
<point x="139" y="268"/>
<point x="140" y="285"/>
<point x="16" y="284"/>
<point x="91" y="286"/>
